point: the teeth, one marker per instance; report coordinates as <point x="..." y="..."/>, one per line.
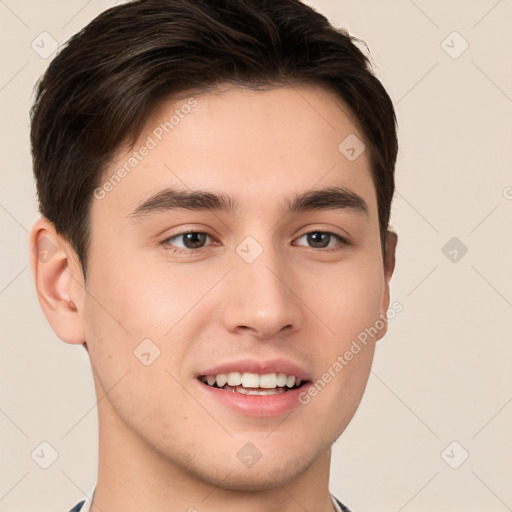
<point x="222" y="378"/>
<point x="252" y="380"/>
<point x="243" y="391"/>
<point x="281" y="379"/>
<point x="269" y="381"/>
<point x="234" y="379"/>
<point x="290" y="381"/>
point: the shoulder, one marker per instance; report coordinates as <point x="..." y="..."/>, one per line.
<point x="343" y="508"/>
<point x="78" y="507"/>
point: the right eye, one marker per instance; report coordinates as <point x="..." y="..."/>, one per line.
<point x="192" y="242"/>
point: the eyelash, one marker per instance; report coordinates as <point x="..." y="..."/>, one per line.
<point x="342" y="241"/>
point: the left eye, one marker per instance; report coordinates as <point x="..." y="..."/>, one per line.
<point x="322" y="239"/>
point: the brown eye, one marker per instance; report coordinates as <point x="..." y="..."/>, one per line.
<point x="322" y="239"/>
<point x="194" y="240"/>
<point x="191" y="240"/>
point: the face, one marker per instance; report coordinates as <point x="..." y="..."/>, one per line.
<point x="270" y="279"/>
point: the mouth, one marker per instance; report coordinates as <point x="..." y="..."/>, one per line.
<point x="255" y="387"/>
<point x="254" y="384"/>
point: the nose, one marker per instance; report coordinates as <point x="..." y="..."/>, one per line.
<point x="260" y="299"/>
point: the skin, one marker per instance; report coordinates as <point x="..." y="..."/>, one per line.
<point x="164" y="445"/>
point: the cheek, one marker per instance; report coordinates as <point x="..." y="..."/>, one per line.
<point x="133" y="310"/>
<point x="126" y="322"/>
<point x="347" y="300"/>
<point x="139" y="299"/>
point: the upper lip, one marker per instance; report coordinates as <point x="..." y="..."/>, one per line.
<point x="260" y="367"/>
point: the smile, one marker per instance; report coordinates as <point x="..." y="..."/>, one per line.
<point x="252" y="383"/>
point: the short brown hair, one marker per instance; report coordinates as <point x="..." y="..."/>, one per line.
<point x="100" y="88"/>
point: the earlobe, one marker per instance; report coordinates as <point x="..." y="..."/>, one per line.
<point x="58" y="280"/>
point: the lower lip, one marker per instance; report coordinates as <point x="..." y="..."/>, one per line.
<point x="256" y="405"/>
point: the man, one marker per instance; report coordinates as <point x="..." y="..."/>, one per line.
<point x="215" y="181"/>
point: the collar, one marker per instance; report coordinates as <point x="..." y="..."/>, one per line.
<point x="86" y="507"/>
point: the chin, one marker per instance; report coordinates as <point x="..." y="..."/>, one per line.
<point x="253" y="479"/>
<point x="269" y="472"/>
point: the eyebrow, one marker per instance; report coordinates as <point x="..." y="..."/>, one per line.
<point x="330" y="198"/>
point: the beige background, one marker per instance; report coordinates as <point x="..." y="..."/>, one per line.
<point x="442" y="373"/>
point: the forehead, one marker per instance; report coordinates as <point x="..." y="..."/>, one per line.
<point x="264" y="145"/>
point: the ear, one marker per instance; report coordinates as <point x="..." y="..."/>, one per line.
<point x="389" y="267"/>
<point x="59" y="281"/>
